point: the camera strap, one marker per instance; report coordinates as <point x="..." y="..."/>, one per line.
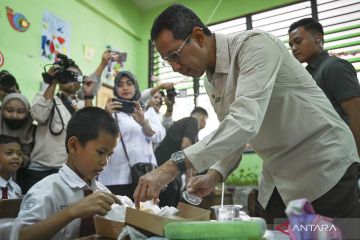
<point x="67" y="103"/>
<point x="121" y="139"/>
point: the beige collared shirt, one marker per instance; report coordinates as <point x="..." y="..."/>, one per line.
<point x="264" y="96"/>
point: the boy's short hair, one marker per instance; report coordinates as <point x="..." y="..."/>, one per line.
<point x="199" y="110"/>
<point x="87" y="123"/>
<point x="5" y="139"/>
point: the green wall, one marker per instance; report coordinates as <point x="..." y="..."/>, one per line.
<point x="97" y="23"/>
<point x="93" y="22"/>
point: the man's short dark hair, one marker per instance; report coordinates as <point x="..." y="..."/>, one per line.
<point x="199" y="110"/>
<point x="87" y="123"/>
<point x="309" y="24"/>
<point x="5" y="139"/>
<point x="178" y="19"/>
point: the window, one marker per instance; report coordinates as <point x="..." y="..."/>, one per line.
<point x="341" y="21"/>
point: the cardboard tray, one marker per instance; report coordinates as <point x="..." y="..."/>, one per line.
<point x="108" y="228"/>
<point x="155" y="224"/>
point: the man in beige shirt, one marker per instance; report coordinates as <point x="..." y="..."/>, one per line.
<point x="264" y="96"/>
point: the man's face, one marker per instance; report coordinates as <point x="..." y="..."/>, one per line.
<point x="71" y="87"/>
<point x="190" y="60"/>
<point x="304" y="44"/>
<point x="202" y="121"/>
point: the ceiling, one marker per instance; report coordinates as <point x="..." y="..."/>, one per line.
<point x="149" y="4"/>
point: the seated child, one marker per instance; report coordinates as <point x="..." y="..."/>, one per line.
<point x="58" y="204"/>
<point x="10" y="162"/>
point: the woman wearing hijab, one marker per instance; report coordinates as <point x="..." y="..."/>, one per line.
<point x="138" y="130"/>
<point x="16" y="121"/>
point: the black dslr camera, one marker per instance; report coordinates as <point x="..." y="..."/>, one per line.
<point x="171" y="94"/>
<point x="62" y="74"/>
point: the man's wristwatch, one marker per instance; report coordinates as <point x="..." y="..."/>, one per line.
<point x="179" y="158"/>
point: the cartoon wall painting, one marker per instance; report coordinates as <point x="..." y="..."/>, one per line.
<point x="17" y="20"/>
<point x="2" y="60"/>
<point x="55" y="36"/>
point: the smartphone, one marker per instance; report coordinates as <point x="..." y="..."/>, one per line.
<point x="127" y="106"/>
<point x="122" y="56"/>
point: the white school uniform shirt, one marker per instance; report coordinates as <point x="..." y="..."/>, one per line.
<point x="138" y="146"/>
<point x="52" y="194"/>
<point x="14" y="190"/>
<point x="263" y="95"/>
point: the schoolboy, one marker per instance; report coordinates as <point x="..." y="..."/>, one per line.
<point x="10" y="162"/>
<point x="60" y="198"/>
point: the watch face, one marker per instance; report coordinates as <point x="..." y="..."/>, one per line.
<point x="178" y="156"/>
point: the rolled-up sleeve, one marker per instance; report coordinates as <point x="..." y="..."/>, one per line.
<point x="253" y="70"/>
<point x="41" y="108"/>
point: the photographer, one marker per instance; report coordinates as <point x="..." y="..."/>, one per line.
<point x="138" y="129"/>
<point x="153" y="97"/>
<point x="52" y="113"/>
<point x="8" y="84"/>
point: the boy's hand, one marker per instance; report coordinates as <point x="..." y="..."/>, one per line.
<point x="98" y="202"/>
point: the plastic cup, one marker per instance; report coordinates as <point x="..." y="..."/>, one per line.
<point x="226" y="212"/>
<point x="191" y="198"/>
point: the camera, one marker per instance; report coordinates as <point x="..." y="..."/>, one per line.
<point x="62" y="74"/>
<point x="171" y="94"/>
<point x="127" y="106"/>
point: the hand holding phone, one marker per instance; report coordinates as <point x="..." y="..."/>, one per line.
<point x="126" y="106"/>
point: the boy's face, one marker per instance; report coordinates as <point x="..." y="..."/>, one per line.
<point x="89" y="160"/>
<point x="10" y="157"/>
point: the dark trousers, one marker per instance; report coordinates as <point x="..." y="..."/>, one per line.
<point x="26" y="178"/>
<point x="342" y="201"/>
<point x="123" y="190"/>
<point x="171" y="194"/>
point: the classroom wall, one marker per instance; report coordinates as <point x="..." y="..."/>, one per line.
<point x="96" y="23"/>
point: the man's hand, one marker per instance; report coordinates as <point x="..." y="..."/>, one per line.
<point x="97" y="203"/>
<point x="150" y="184"/>
<point x="203" y="185"/>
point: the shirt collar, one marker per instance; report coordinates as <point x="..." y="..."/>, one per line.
<point x="316" y="62"/>
<point x="10" y="182"/>
<point x="222" y="53"/>
<point x="74" y="181"/>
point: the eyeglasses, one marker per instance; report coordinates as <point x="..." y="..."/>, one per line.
<point x="175" y="56"/>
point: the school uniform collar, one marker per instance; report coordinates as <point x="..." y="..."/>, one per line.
<point x="10" y="182"/>
<point x="74" y="181"/>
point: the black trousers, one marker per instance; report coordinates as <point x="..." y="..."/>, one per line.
<point x="123" y="190"/>
<point x="342" y="201"/>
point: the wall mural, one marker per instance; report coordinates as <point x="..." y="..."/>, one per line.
<point x="55" y="36"/>
<point x="17" y="20"/>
